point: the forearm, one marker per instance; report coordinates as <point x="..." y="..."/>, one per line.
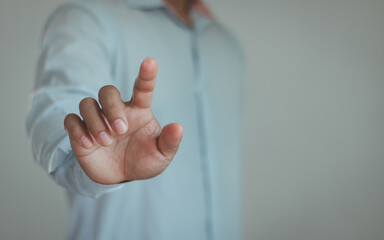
<point x="73" y="64"/>
<point x="50" y="143"/>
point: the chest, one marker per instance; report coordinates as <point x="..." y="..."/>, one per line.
<point x="189" y="61"/>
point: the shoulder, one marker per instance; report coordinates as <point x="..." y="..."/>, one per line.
<point x="82" y="17"/>
<point x="105" y="13"/>
<point x="79" y="10"/>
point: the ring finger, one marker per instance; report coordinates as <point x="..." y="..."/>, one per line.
<point x="94" y="120"/>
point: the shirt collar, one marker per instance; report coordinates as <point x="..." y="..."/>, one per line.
<point x="145" y="4"/>
<point x="198" y="6"/>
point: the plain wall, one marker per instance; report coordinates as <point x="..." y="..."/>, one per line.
<point x="313" y="130"/>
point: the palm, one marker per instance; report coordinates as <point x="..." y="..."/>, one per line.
<point x="139" y="153"/>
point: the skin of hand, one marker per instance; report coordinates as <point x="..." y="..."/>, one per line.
<point x="122" y="141"/>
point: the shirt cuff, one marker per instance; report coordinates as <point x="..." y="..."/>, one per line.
<point x="90" y="187"/>
<point x="72" y="177"/>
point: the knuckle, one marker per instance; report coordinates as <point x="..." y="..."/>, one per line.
<point x="108" y="89"/>
<point x="69" y="119"/>
<point x="86" y="102"/>
<point x="143" y="87"/>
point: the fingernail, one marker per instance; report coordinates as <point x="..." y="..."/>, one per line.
<point x="119" y="126"/>
<point x="104" y="138"/>
<point x="148" y="62"/>
<point x="86" y="142"/>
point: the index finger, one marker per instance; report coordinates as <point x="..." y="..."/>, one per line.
<point x="144" y="84"/>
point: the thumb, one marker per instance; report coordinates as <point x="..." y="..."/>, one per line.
<point x="169" y="140"/>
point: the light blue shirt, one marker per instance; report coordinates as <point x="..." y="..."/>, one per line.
<point x="89" y="44"/>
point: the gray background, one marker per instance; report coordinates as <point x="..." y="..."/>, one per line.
<point x="313" y="129"/>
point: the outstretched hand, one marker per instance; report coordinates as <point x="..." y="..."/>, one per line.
<point x="122" y="141"/>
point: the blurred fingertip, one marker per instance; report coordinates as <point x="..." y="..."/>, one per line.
<point x="149" y="63"/>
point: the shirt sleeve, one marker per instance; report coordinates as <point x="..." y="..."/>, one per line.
<point x="76" y="60"/>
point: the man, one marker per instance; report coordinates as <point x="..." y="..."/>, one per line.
<point x="112" y="153"/>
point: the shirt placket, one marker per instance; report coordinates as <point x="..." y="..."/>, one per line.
<point x="202" y="111"/>
<point x="201" y="115"/>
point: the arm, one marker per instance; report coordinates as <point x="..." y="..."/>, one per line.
<point x="74" y="65"/>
